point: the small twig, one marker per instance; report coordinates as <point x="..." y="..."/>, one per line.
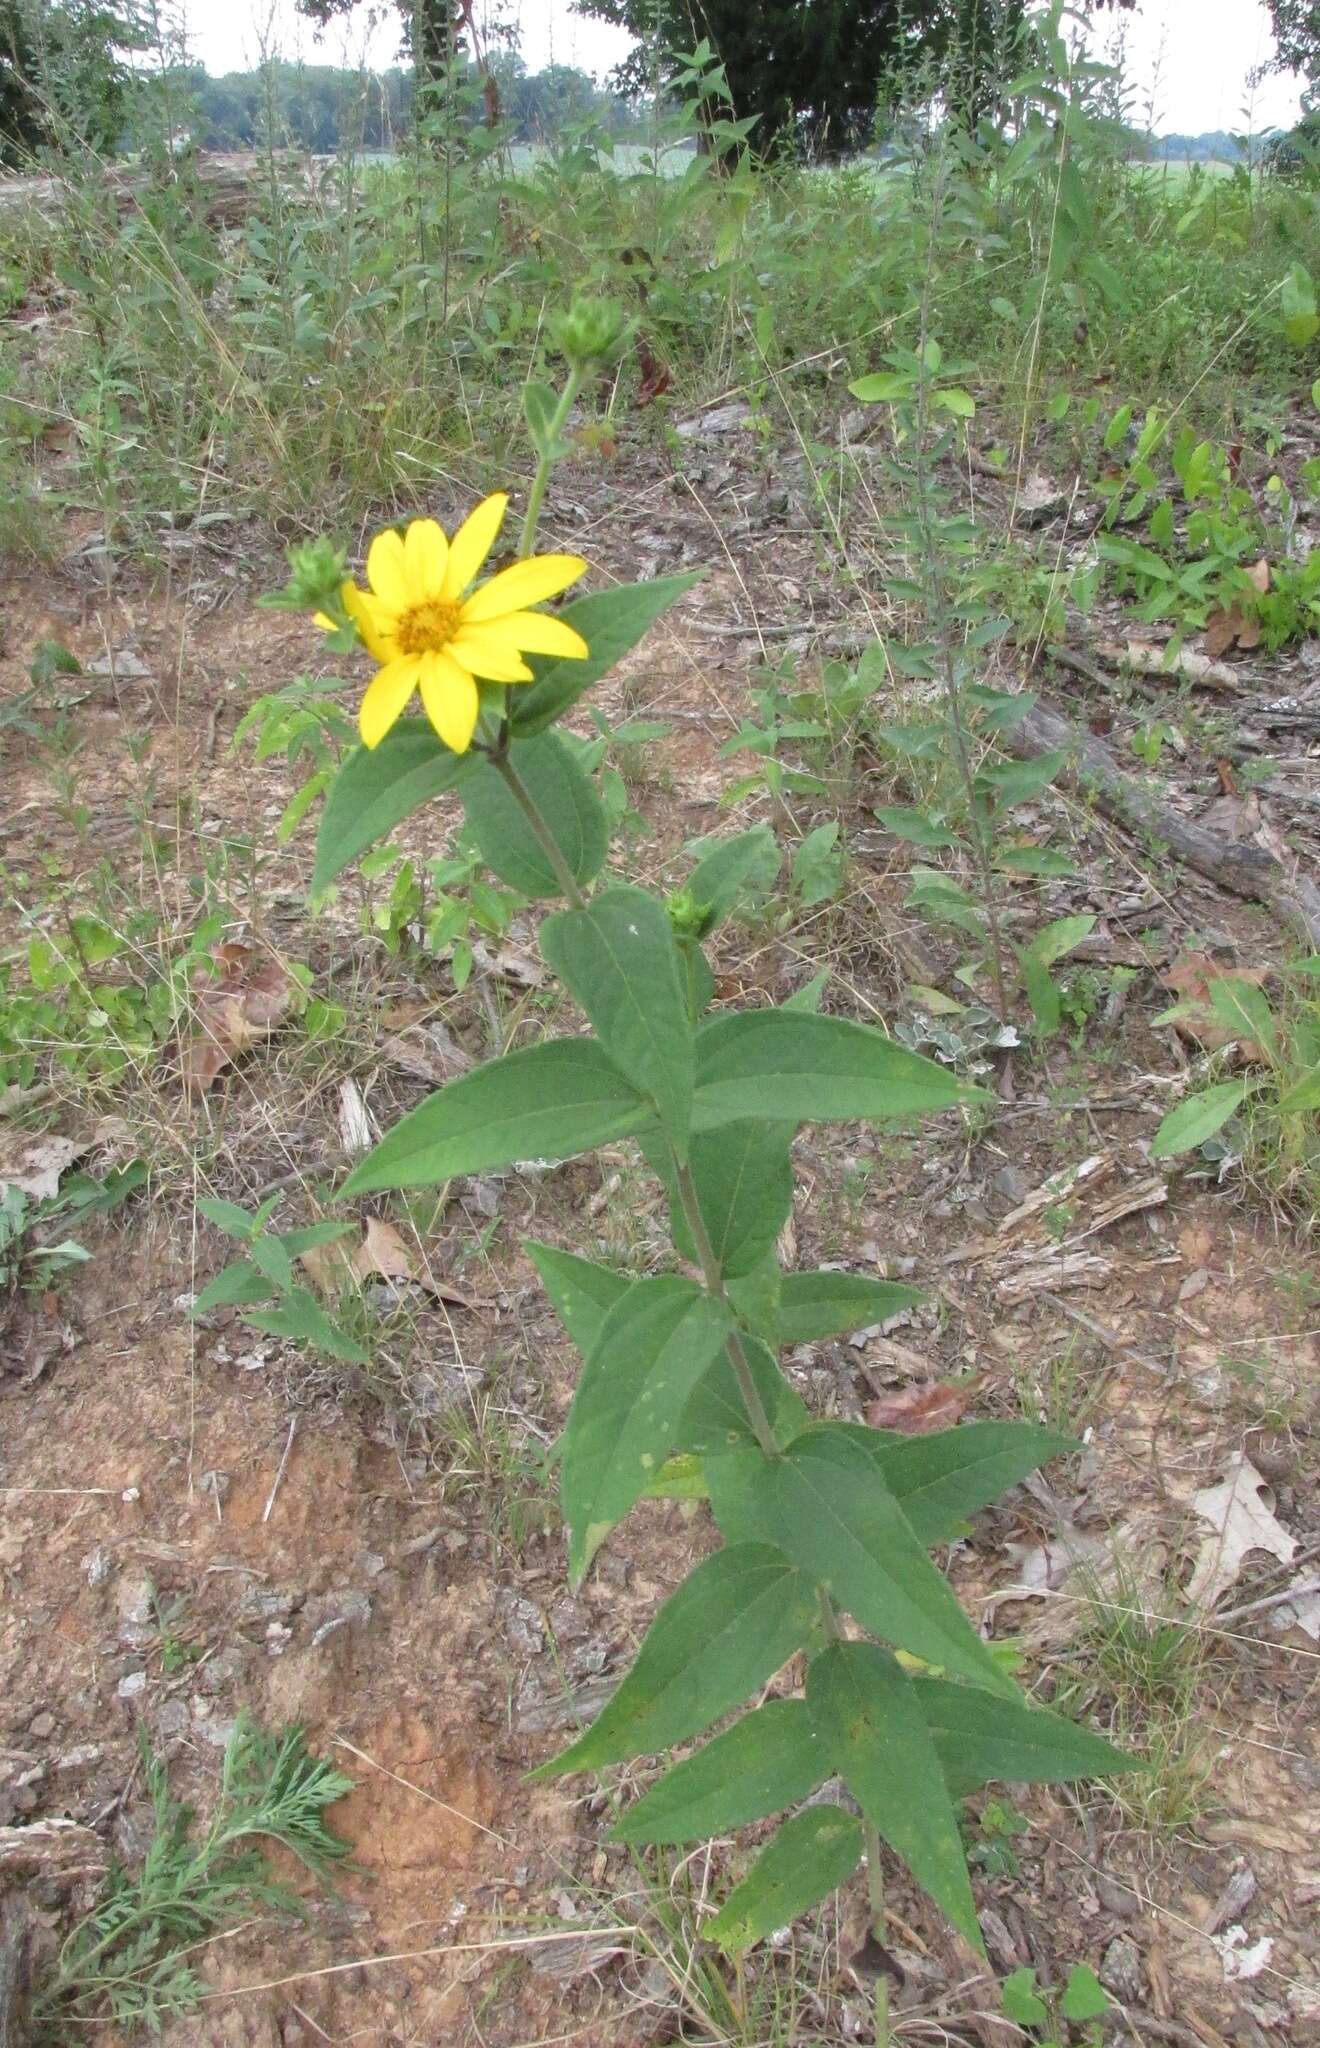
<point x="1297" y="1591"/>
<point x="288" y="1446"/>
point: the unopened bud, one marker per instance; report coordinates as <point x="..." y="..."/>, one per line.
<point x="591" y="331"/>
<point x="316" y="572"/>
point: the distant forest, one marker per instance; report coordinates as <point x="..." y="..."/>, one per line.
<point x="320" y="108"/>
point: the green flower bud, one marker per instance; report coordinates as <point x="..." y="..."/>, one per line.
<point x="591" y="331"/>
<point x="317" y="568"/>
<point x="690" y="919"/>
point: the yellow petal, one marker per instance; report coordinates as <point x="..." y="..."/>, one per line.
<point x="525" y="583"/>
<point x="487" y="651"/>
<point x="387" y="697"/>
<point x="369" y="618"/>
<point x="325" y="622"/>
<point x="425" y="552"/>
<point x="385" y="570"/>
<point x="473" y="542"/>
<point x="450" y="697"/>
<point x="540" y="633"/>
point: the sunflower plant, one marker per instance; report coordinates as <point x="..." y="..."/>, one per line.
<point x="819" y="1598"/>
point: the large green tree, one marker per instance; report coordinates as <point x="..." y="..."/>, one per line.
<point x="812" y="72"/>
<point x="64" y="83"/>
<point x="1297" y="38"/>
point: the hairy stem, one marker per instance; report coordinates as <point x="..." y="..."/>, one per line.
<point x="545" y="838"/>
<point x="548" y="459"/>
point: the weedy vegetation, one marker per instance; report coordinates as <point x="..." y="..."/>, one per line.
<point x="894" y="924"/>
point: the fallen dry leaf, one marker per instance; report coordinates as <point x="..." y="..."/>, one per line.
<point x="1242" y="1521"/>
<point x="33" y="1164"/>
<point x="382" y="1253"/>
<point x="1190" y="979"/>
<point x="1233" y="816"/>
<point x="1231" y="628"/>
<point x="238" y="1004"/>
<point x="916" y="1411"/>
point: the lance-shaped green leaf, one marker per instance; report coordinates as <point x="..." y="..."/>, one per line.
<point x="611" y="622"/>
<point x="939" y="1480"/>
<point x="731" y="1625"/>
<point x="743" y="1177"/>
<point x="715" y="1419"/>
<point x="569" y="807"/>
<point x="581" y="1292"/>
<point x="376" y="788"/>
<point x="827" y="1506"/>
<point x="1197" y="1117"/>
<point x="805" y="1069"/>
<point x="619" y="958"/>
<point x="547" y="1101"/>
<point x="810" y="1857"/>
<point x="829" y="1304"/>
<point x="769" y="1760"/>
<point x="874" y="1733"/>
<point x="654" y="1346"/>
<point x="979" y="1739"/>
<point x="749" y="860"/>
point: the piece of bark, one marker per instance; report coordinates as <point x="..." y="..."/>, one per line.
<point x="1238" y="865"/>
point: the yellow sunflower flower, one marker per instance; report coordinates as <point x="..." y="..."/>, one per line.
<point x="428" y="636"/>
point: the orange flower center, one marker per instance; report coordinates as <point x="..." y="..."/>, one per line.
<point x="426" y="628"/>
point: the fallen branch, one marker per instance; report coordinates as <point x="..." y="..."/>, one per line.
<point x="1238" y="865"/>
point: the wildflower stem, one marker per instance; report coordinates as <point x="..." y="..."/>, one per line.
<point x="545" y="838"/>
<point x="549" y="456"/>
<point x="875" y="1894"/>
<point x="714" y="1278"/>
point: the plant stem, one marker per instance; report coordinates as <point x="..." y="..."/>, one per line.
<point x="875" y="1893"/>
<point x="548" y="459"/>
<point x="545" y="839"/>
<point x="714" y="1278"/>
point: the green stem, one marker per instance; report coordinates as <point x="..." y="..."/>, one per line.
<point x="548" y="458"/>
<point x="714" y="1278"/>
<point x="544" y="837"/>
<point x="875" y="1893"/>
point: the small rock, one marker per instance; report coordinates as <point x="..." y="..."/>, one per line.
<point x="1122" y="1970"/>
<point x="278" y="1638"/>
<point x="172" y="1717"/>
<point x="522" y="1622"/>
<point x="1039" y="500"/>
<point x="722" y="419"/>
<point x="215" y="1731"/>
<point x="41" y="1726"/>
<point x="1116" y="1898"/>
<point x="132" y="1687"/>
<point x="78" y="1758"/>
<point x="216" y="1484"/>
<point x="276" y="1603"/>
<point x="131" y="1495"/>
<point x="225" y="1668"/>
<point x="123" y="662"/>
<point x="331" y="1611"/>
<point x="133" y="1604"/>
<point x="96" y="1566"/>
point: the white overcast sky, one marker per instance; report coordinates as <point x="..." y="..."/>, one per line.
<point x="1192" y="57"/>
